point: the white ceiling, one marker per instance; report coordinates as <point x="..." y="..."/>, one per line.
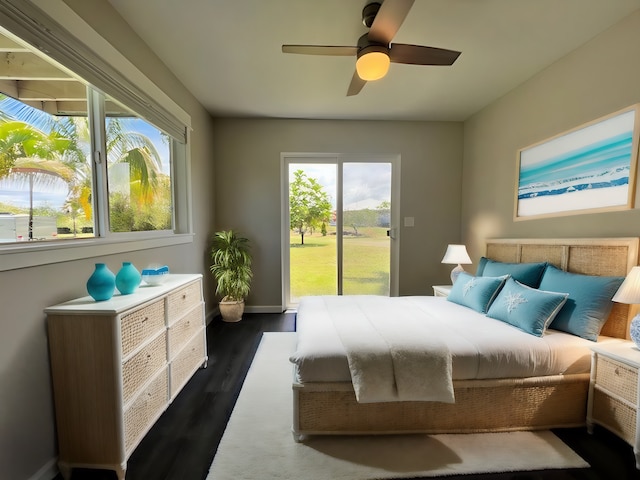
<point x="228" y="52"/>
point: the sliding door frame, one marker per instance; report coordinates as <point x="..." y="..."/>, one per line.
<point x="339" y="159"/>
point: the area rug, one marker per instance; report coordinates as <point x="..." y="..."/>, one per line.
<point x="258" y="444"/>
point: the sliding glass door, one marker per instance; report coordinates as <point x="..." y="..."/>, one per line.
<point x="338" y="225"/>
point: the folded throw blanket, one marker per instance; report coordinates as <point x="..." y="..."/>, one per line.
<point x="392" y="355"/>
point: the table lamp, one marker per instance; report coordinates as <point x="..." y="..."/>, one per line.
<point x="629" y="293"/>
<point x="456" y="255"/>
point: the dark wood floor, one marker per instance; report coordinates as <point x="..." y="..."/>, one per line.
<point x="183" y="442"/>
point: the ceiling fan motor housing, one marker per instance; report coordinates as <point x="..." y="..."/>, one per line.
<point x="369" y="13"/>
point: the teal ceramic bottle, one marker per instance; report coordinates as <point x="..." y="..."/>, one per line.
<point x="102" y="283"/>
<point x="128" y="278"/>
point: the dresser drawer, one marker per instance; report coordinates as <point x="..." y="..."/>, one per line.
<point x="145" y="409"/>
<point x="184" y="329"/>
<point x="139" y="368"/>
<point x="615" y="415"/>
<point x="187" y="361"/>
<point x="138" y="325"/>
<point x="183" y="300"/>
<point x="618" y="378"/>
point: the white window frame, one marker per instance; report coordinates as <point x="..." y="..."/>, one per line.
<point x="80" y="45"/>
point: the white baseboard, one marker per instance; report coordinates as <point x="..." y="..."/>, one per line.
<point x="47" y="472"/>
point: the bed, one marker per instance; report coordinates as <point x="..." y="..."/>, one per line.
<point x="549" y="394"/>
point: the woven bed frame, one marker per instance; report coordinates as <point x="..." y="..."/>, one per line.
<point x="482" y="405"/>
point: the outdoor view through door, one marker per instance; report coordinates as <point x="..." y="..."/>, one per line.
<point x="339" y="218"/>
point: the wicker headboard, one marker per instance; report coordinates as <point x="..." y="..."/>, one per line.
<point x="588" y="256"/>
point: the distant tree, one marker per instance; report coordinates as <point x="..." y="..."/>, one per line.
<point x="309" y="204"/>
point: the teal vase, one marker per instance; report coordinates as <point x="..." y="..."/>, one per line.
<point x="128" y="278"/>
<point x="102" y="283"/>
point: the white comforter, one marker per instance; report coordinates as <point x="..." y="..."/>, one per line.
<point x="480" y="347"/>
<point x="398" y="360"/>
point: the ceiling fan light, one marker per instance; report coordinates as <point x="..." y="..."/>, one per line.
<point x="372" y="65"/>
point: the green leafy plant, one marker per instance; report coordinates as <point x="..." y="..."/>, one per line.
<point x="231" y="265"/>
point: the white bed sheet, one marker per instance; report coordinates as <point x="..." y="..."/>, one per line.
<point x="481" y="347"/>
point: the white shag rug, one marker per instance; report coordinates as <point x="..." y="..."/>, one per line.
<point x="258" y="444"/>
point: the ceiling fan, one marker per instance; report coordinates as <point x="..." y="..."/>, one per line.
<point x="375" y="51"/>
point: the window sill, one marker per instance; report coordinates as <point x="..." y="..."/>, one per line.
<point x="34" y="254"/>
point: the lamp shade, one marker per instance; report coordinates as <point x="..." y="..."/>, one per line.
<point x="456" y="255"/>
<point x="373" y="62"/>
<point x="629" y="291"/>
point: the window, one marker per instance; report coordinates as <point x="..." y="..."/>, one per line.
<point x="86" y="156"/>
<point x="45" y="172"/>
<point x="139" y="175"/>
<point x="47" y="175"/>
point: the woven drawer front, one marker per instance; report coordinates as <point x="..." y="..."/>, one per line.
<point x="617" y="378"/>
<point x="140" y="324"/>
<point x="184" y="299"/>
<point x="139" y="368"/>
<point x="615" y="415"/>
<point x="187" y="362"/>
<point x="144" y="410"/>
<point x="183" y="330"/>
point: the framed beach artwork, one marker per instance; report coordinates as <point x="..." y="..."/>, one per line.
<point x="591" y="168"/>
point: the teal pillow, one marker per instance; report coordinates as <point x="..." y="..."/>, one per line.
<point x="526" y="273"/>
<point x="529" y="309"/>
<point x="475" y="292"/>
<point x="589" y="302"/>
<point x="481" y="264"/>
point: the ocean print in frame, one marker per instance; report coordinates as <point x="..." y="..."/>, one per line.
<point x="591" y="168"/>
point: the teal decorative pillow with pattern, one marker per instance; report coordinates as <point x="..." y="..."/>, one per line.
<point x="529" y="309"/>
<point x="475" y="292"/>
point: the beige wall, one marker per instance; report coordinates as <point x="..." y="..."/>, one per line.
<point x="598" y="78"/>
<point x="27" y="431"/>
<point x="248" y="188"/>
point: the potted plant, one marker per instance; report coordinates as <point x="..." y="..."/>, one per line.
<point x="231" y="268"/>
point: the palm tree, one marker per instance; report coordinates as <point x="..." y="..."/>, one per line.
<point x="67" y="143"/>
<point x="29" y="154"/>
<point x="139" y="152"/>
<point x="37" y="170"/>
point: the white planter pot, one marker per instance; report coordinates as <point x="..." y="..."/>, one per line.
<point x="231" y="311"/>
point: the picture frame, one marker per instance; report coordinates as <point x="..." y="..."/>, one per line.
<point x="591" y="168"/>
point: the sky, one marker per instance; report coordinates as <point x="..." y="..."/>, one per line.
<point x="366" y="185"/>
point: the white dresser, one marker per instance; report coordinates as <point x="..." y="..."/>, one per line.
<point x="116" y="366"/>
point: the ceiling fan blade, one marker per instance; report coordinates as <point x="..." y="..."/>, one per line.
<point x="420" y="55"/>
<point x="389" y="19"/>
<point x="334" y="50"/>
<point x="356" y="85"/>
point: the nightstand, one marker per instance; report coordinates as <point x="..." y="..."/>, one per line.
<point x="613" y="391"/>
<point x="441" y="290"/>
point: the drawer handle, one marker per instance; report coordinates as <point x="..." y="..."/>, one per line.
<point x="144" y="319"/>
<point x="184" y="296"/>
<point x="617" y="371"/>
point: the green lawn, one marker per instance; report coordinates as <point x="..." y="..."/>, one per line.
<point x="366" y="263"/>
